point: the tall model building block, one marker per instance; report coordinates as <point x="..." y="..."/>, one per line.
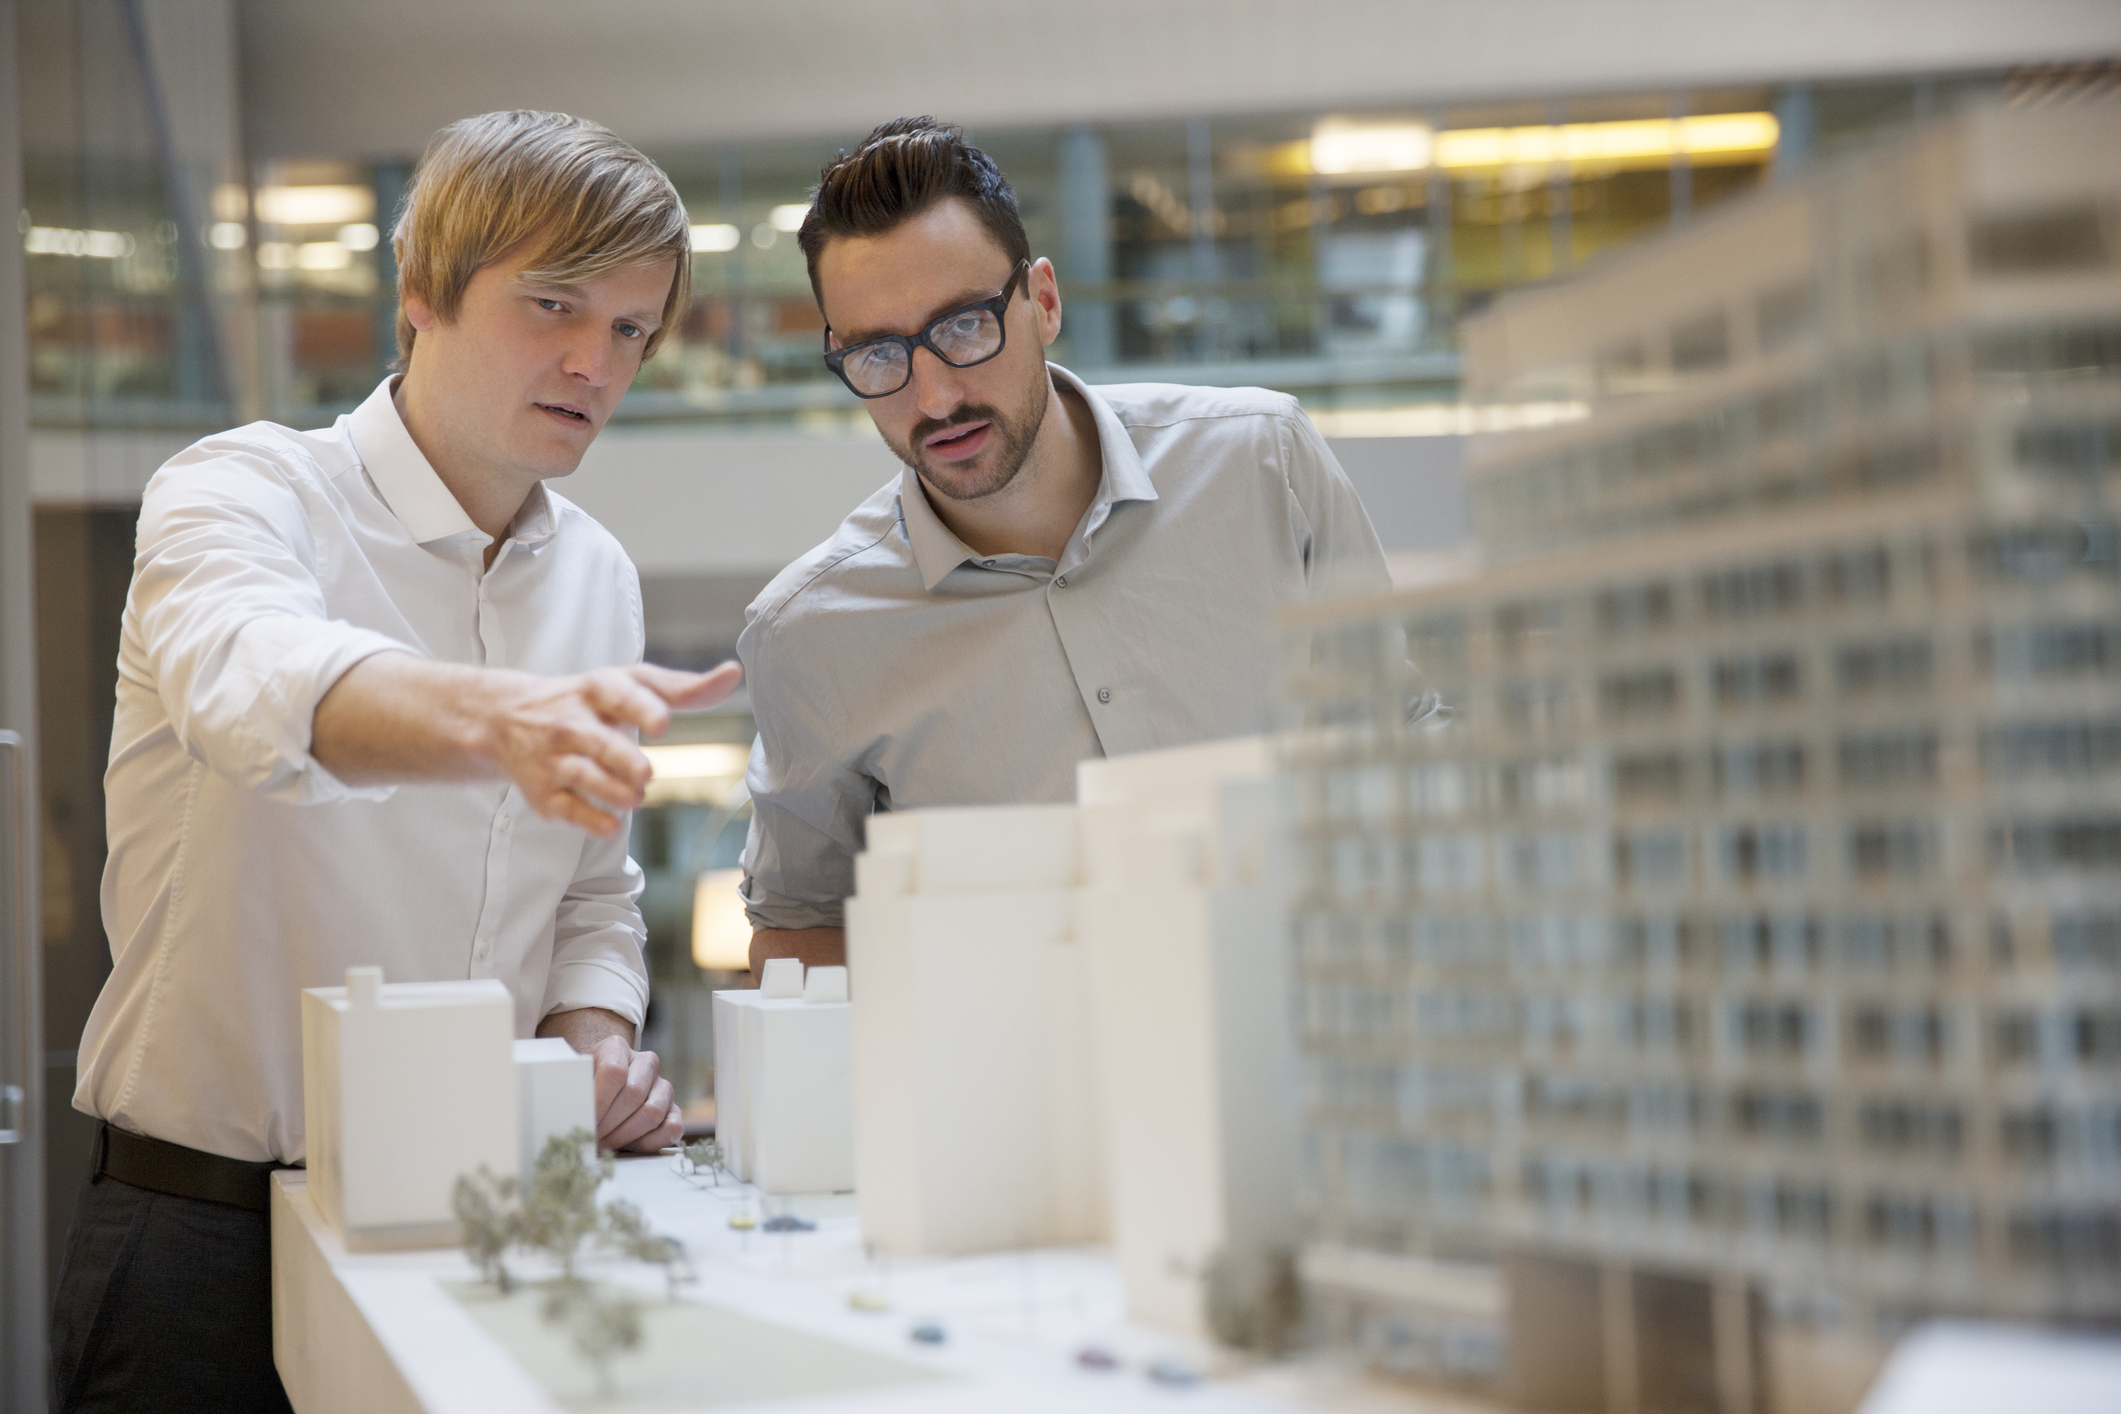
<point x="556" y="1093"/>
<point x="973" y="1124"/>
<point x="1073" y="1023"/>
<point x="386" y="1143"/>
<point x="1182" y="922"/>
<point x="783" y="1086"/>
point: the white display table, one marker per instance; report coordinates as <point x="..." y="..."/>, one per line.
<point x="767" y="1325"/>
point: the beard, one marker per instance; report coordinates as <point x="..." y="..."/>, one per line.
<point x="1008" y="448"/>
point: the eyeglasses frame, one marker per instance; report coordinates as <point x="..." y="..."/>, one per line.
<point x="998" y="306"/>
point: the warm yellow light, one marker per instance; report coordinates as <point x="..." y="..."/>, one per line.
<point x="712" y="240"/>
<point x="1647" y="140"/>
<point x="315" y="206"/>
<point x="1338" y="146"/>
<point x="708" y="771"/>
<point x="721" y="934"/>
<point x="322" y="255"/>
<point x="789" y="217"/>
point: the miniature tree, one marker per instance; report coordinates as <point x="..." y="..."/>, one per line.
<point x="561" y="1208"/>
<point x="487" y="1206"/>
<point x="555" y="1214"/>
<point x="703" y="1155"/>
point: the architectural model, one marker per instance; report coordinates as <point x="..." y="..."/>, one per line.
<point x="1183" y="922"/>
<point x="1073" y="1023"/>
<point x="784" y="1103"/>
<point x="973" y="1120"/>
<point x="385" y="1143"/>
<point x="1736" y="980"/>
<point x="555" y="1094"/>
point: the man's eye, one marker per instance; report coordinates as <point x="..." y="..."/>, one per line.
<point x="551" y="304"/>
<point x="631" y="331"/>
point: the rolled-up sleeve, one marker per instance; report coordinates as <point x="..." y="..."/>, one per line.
<point x="808" y="809"/>
<point x="1343" y="555"/>
<point x="598" y="937"/>
<point x="232" y="618"/>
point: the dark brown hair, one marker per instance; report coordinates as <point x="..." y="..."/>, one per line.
<point x="900" y="170"/>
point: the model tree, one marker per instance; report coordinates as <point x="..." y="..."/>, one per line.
<point x="557" y="1217"/>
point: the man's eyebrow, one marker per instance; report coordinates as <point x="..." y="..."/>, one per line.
<point x="949" y="306"/>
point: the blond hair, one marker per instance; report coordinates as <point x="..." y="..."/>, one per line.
<point x="590" y="201"/>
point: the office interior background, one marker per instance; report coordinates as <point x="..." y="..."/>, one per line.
<point x="1320" y="199"/>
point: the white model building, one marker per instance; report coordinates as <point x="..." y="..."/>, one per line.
<point x="1183" y="921"/>
<point x="556" y="1093"/>
<point x="1740" y="975"/>
<point x="784" y="1105"/>
<point x="1070" y="1012"/>
<point x="973" y="1120"/>
<point x="386" y="1141"/>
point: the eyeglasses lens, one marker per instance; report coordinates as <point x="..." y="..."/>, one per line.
<point x="970" y="336"/>
<point x="967" y="336"/>
<point x="876" y="368"/>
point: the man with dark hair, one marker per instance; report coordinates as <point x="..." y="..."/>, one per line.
<point x="1059" y="572"/>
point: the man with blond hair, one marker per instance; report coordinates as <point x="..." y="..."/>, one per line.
<point x="377" y="698"/>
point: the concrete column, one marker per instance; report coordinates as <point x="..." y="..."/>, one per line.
<point x="389" y="179"/>
<point x="1442" y="284"/>
<point x="1616" y="1320"/>
<point x="1560" y="219"/>
<point x="1682" y="169"/>
<point x="1793" y="145"/>
<point x="1090" y="319"/>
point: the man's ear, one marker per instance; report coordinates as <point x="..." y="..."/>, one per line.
<point x="418" y="312"/>
<point x="1045" y="293"/>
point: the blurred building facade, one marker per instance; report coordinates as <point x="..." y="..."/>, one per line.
<point x="1737" y="978"/>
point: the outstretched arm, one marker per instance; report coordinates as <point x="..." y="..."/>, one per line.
<point x="564" y="741"/>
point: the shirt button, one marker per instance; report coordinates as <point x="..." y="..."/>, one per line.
<point x="1061" y="583"/>
<point x="1104" y="694"/>
<point x="988" y="563"/>
<point x="506" y="821"/>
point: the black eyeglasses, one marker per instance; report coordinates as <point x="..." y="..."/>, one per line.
<point x="963" y="338"/>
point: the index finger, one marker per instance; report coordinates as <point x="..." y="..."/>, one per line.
<point x="689" y="692"/>
<point x="619" y="696"/>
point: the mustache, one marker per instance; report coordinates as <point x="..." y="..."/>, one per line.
<point x="927" y="427"/>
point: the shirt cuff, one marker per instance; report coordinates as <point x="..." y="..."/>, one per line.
<point x="591" y="982"/>
<point x="766" y="911"/>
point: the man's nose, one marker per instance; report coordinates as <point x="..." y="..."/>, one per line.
<point x="938" y="389"/>
<point x="588" y="358"/>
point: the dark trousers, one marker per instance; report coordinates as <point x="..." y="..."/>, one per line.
<point x="164" y="1305"/>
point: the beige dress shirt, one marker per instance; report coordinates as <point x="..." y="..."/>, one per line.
<point x="892" y="668"/>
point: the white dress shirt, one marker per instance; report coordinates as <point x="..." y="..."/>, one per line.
<point x="241" y="871"/>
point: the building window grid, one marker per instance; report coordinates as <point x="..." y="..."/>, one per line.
<point x="1880" y="1131"/>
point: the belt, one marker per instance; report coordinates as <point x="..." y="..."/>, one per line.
<point x="163" y="1167"/>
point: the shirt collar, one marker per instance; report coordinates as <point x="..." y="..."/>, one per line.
<point x="414" y="493"/>
<point x="936" y="548"/>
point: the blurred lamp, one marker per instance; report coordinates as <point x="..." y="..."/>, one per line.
<point x="789" y="217"/>
<point x="714" y="239"/>
<point x="1338" y="146"/>
<point x="698" y="773"/>
<point x="721" y="934"/>
<point x="315" y="206"/>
